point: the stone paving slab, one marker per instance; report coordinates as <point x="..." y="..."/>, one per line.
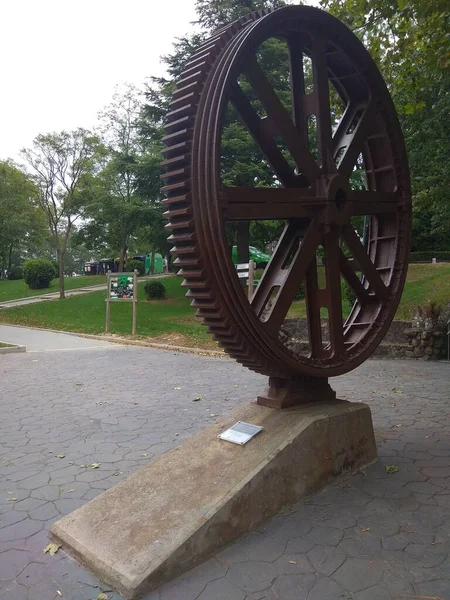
<point x="74" y="424"/>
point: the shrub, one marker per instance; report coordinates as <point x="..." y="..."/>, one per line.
<point x="15" y="273"/>
<point x="347" y="293"/>
<point x="137" y="265"/>
<point x="154" y="290"/>
<point x="56" y="267"/>
<point x="38" y="273"/>
<point x="428" y="255"/>
<point x="300" y="295"/>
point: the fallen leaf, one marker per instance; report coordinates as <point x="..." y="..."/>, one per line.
<point x="197" y="399"/>
<point x="12" y="499"/>
<point x="72" y="490"/>
<point x="60" y="456"/>
<point x="59" y="593"/>
<point x="80" y="390"/>
<point x="365" y="529"/>
<point x="102" y="402"/>
<point x="397" y="391"/>
<point x="52" y="549"/>
<point x="399" y="425"/>
<point x="391" y="469"/>
<point x="292" y="562"/>
<point x="95" y="465"/>
<point x="117" y="473"/>
<point x="102" y="596"/>
<point x="177" y="388"/>
<point x="145" y="454"/>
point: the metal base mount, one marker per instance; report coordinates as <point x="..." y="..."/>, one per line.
<point x="283" y="393"/>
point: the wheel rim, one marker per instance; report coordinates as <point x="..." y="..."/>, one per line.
<point x="316" y="199"/>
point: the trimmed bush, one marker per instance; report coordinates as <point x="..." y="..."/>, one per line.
<point x="38" y="273"/>
<point x="15" y="273"/>
<point x="137" y="265"/>
<point x="428" y="255"/>
<point x="154" y="290"/>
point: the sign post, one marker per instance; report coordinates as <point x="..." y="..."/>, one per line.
<point x="121" y="286"/>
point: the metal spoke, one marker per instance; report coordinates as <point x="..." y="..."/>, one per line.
<point x="244" y="203"/>
<point x="353" y="142"/>
<point x="313" y="310"/>
<point x="322" y="94"/>
<point x="334" y="298"/>
<point x="286" y="278"/>
<point x="281" y="120"/>
<point x="298" y="87"/>
<point x="260" y="132"/>
<point x="352" y="279"/>
<point x="373" y="203"/>
<point x="365" y="264"/>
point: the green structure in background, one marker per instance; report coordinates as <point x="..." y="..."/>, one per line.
<point x="260" y="258"/>
<point x="148" y="263"/>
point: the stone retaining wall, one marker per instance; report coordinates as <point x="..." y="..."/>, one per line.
<point x="426" y="344"/>
<point x="401" y="340"/>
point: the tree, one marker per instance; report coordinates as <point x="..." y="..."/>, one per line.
<point x="410" y="42"/>
<point x="21" y="223"/>
<point x="120" y="208"/>
<point x="63" y="165"/>
<point x="242" y="161"/>
<point x="212" y="14"/>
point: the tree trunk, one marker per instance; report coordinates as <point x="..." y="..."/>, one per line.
<point x="60" y="255"/>
<point x="123" y="255"/>
<point x="152" y="263"/>
<point x="10" y="258"/>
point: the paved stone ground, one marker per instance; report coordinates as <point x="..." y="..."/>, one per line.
<point x="374" y="536"/>
<point x="40" y="340"/>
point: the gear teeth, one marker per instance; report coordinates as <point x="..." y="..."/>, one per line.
<point x="179" y="129"/>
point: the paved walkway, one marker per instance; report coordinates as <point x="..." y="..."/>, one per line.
<point x="40" y="340"/>
<point x="374" y="536"/>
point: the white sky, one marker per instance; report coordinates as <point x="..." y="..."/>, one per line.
<point x="62" y="59"/>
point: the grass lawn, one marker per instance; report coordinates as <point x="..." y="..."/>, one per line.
<point x="12" y="290"/>
<point x="173" y="321"/>
<point x="3" y="345"/>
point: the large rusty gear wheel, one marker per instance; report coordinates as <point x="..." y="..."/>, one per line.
<point x="314" y="198"/>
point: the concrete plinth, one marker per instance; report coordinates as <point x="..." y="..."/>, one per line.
<point x="199" y="497"/>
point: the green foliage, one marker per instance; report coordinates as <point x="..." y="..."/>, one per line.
<point x="410" y="41"/>
<point x="428" y="255"/>
<point x="300" y="295"/>
<point x="347" y="292"/>
<point x="137" y="265"/>
<point x="21" y="224"/>
<point x="215" y="13"/>
<point x="15" y="273"/>
<point x="38" y="273"/>
<point x="155" y="290"/>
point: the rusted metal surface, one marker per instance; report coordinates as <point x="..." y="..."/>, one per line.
<point x="315" y="197"/>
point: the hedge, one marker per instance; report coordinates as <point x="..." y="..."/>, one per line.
<point x="428" y="255"/>
<point x="38" y="273"/>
